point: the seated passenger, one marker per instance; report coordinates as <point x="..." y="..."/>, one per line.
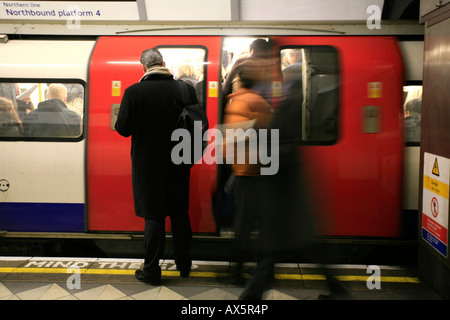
<point x="10" y="124"/>
<point x="52" y="118"/>
<point x="294" y="67"/>
<point x="413" y="120"/>
<point x="293" y="72"/>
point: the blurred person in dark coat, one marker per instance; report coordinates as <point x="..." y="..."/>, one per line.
<point x="289" y="226"/>
<point x="160" y="188"/>
<point x="287" y="222"/>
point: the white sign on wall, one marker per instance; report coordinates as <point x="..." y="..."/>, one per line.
<point x="436" y="176"/>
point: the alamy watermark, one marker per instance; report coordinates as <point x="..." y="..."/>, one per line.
<point x="74" y="20"/>
<point x="374" y="280"/>
<point x="374" y="20"/>
<point x="74" y="280"/>
<point x="248" y="146"/>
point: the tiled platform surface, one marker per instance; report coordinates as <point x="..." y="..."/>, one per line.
<point x="44" y="278"/>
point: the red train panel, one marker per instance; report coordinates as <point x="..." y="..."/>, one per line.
<point x="356" y="181"/>
<point x="114" y="67"/>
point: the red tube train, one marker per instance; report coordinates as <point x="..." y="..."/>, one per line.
<point x="354" y="145"/>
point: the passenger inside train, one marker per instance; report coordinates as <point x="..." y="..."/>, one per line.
<point x="292" y="64"/>
<point x="10" y="123"/>
<point x="58" y="114"/>
<point x="24" y="103"/>
<point x="52" y="118"/>
<point x="413" y="120"/>
<point x="412" y="107"/>
<point x="187" y="64"/>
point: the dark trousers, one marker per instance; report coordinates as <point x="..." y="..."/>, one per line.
<point x="257" y="284"/>
<point x="155" y="240"/>
<point x="247" y="193"/>
<point x="251" y="212"/>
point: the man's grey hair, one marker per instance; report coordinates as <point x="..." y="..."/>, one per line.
<point x="152" y="57"/>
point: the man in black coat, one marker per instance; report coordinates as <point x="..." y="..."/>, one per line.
<point x="52" y="118"/>
<point x="160" y="188"/>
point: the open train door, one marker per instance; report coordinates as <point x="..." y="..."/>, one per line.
<point x="352" y="134"/>
<point x="114" y="67"/>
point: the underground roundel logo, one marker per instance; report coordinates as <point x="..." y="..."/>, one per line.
<point x="4" y="185"/>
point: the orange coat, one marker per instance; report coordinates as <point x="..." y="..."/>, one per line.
<point x="245" y="105"/>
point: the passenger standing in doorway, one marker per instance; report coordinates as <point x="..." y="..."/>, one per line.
<point x="259" y="51"/>
<point x="160" y="188"/>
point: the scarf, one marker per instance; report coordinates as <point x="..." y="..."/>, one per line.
<point x="155" y="70"/>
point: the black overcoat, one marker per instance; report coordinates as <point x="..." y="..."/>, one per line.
<point x="148" y="114"/>
<point x="289" y="225"/>
<point x="52" y="119"/>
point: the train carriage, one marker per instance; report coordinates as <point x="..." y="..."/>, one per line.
<point x="353" y="140"/>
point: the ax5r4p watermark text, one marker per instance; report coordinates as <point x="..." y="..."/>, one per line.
<point x="248" y="146"/>
<point x="230" y="309"/>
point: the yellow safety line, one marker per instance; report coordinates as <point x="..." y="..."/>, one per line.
<point x="109" y="271"/>
<point x="312" y="277"/>
<point x="196" y="274"/>
<point x="381" y="279"/>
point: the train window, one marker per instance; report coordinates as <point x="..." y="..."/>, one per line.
<point x="189" y="65"/>
<point x="42" y="111"/>
<point x="311" y="76"/>
<point x="233" y="50"/>
<point x="412" y="107"/>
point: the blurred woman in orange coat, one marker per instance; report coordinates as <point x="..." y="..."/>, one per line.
<point x="245" y="106"/>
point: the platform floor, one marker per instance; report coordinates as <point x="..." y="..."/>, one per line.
<point x="46" y="278"/>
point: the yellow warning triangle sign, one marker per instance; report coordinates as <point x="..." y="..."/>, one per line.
<point x="435" y="168"/>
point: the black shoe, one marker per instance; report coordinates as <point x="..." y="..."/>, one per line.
<point x="184" y="273"/>
<point x="184" y="269"/>
<point x="236" y="280"/>
<point x="139" y="274"/>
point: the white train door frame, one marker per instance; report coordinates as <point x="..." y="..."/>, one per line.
<point x="44" y="176"/>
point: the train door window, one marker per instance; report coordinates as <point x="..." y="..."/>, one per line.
<point x="189" y="65"/>
<point x="311" y="77"/>
<point x="234" y="49"/>
<point x="41" y="111"/>
<point x="412" y="107"/>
